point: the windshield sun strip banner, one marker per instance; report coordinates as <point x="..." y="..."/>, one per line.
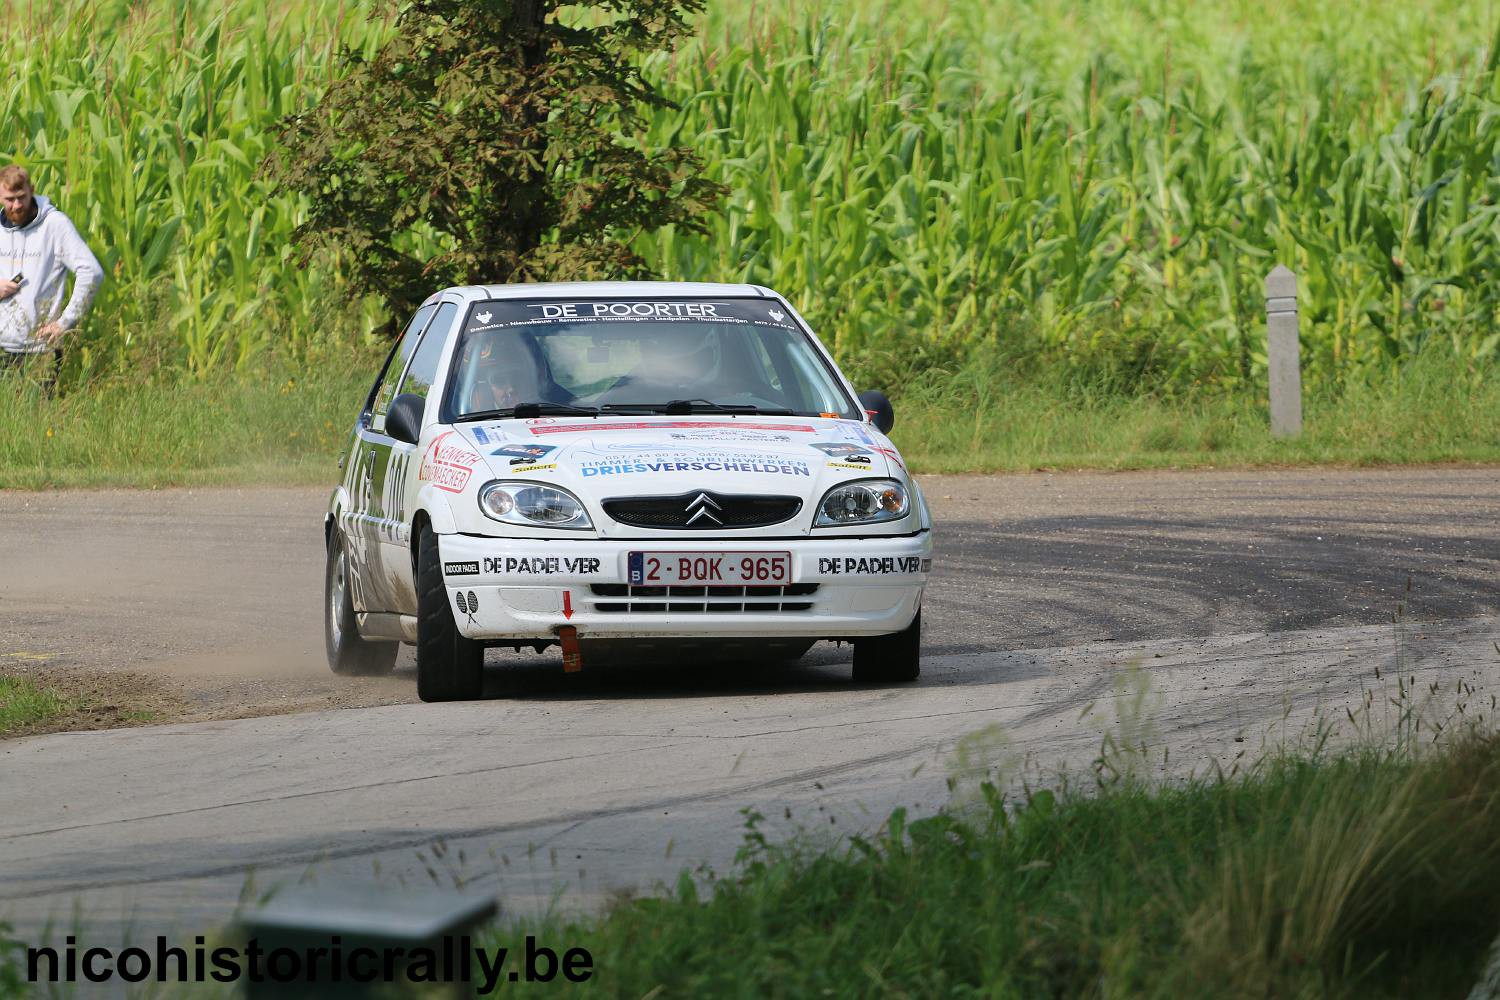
<point x="538" y="426"/>
<point x="495" y="314"/>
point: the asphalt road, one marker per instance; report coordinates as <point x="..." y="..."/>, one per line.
<point x="1244" y="605"/>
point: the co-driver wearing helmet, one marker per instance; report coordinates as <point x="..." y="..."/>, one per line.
<point x="505" y="381"/>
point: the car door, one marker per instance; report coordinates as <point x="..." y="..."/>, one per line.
<point x="371" y="443"/>
<point x="396" y="464"/>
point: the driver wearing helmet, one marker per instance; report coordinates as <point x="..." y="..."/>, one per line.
<point x="508" y="380"/>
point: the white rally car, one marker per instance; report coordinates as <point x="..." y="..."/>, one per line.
<point x="626" y="463"/>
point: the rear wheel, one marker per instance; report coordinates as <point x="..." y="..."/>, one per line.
<point x="449" y="666"/>
<point x="348" y="652"/>
<point x="890" y="658"/>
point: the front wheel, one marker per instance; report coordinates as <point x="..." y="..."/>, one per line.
<point x="450" y="667"/>
<point x="349" y="652"/>
<point x="890" y="658"/>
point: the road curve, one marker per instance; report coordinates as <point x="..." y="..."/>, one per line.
<point x="1246" y="604"/>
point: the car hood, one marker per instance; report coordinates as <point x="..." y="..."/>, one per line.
<point x="608" y="457"/>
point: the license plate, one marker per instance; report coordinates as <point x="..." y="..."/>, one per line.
<point x="728" y="569"/>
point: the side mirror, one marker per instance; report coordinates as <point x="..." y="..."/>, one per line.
<point x="878" y="405"/>
<point x="403" y="421"/>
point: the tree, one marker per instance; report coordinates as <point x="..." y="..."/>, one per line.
<point x="493" y="141"/>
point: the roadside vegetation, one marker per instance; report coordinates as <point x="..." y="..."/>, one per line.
<point x="59" y="699"/>
<point x="981" y="417"/>
<point x="1371" y="872"/>
<point x="24" y="704"/>
<point x="286" y="427"/>
<point x="1374" y="873"/>
<point x="1083" y="196"/>
<point x="1358" y="859"/>
<point x="275" y="426"/>
<point x="12" y="964"/>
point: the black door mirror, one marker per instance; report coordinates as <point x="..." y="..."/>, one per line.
<point x="403" y="421"/>
<point x="878" y="405"/>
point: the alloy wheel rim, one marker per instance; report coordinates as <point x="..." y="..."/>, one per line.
<point x="336" y="596"/>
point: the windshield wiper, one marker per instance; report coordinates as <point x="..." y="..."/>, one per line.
<point x="676" y="406"/>
<point x="526" y="410"/>
<point x="631" y="408"/>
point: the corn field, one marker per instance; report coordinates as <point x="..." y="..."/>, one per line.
<point x="1099" y="184"/>
<point x="146" y="123"/>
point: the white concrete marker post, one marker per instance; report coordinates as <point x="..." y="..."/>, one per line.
<point x="1282" y="352"/>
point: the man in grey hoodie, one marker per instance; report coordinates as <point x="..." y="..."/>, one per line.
<point x="38" y="246"/>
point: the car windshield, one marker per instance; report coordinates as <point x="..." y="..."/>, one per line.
<point x="738" y="355"/>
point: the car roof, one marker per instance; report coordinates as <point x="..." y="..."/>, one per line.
<point x="598" y="290"/>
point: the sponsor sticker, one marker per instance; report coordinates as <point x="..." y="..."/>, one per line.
<point x="533" y="468"/>
<point x="890" y="453"/>
<point x="629" y="459"/>
<point x="489" y="435"/>
<point x="872" y="566"/>
<point x="551" y="427"/>
<point x="731" y="434"/>
<point x="840" y="449"/>
<point x="855" y="431"/>
<point x="522" y="454"/>
<point x="627" y="310"/>
<point x="761" y="464"/>
<point x="447" y="466"/>
<point x="853" y="463"/>
<point x="512" y="313"/>
<point x="542" y="565"/>
<point x="460" y="569"/>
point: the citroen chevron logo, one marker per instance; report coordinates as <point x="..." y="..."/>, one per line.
<point x="703" y="505"/>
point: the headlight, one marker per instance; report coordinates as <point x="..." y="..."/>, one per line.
<point x="533" y="505"/>
<point x="867" y="502"/>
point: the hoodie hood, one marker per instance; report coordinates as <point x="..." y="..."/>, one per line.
<point x="43" y="209"/>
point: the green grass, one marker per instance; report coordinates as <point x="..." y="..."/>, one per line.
<point x="1375" y="874"/>
<point x="982" y="418"/>
<point x="276" y="429"/>
<point x="12" y="964"/>
<point x="23" y="703"/>
<point x="290" y="429"/>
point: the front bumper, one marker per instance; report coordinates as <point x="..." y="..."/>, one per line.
<point x="502" y="588"/>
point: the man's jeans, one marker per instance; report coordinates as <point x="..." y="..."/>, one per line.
<point x="43" y="367"/>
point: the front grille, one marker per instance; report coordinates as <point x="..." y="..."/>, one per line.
<point x="621" y="598"/>
<point x="702" y="511"/>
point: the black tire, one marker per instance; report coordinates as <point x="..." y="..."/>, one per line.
<point x="894" y="658"/>
<point x="349" y="653"/>
<point x="449" y="666"/>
